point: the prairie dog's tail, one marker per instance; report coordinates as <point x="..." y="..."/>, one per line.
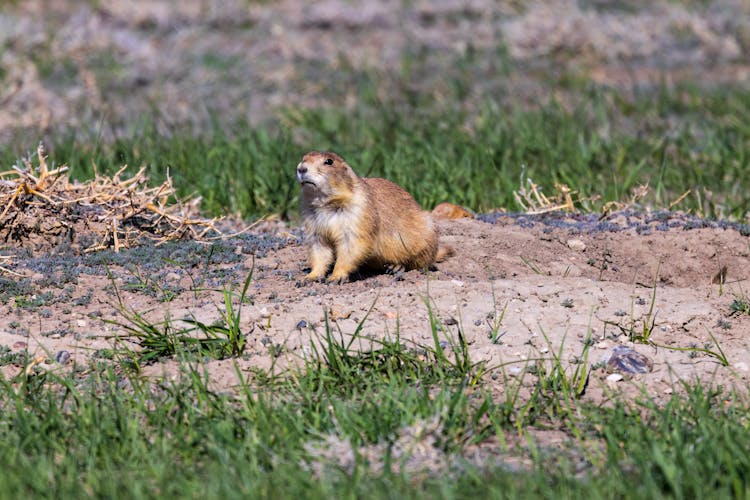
<point x="444" y="251"/>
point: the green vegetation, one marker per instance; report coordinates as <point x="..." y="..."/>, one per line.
<point x="740" y="303"/>
<point x="345" y="424"/>
<point x="686" y="139"/>
<point x="168" y="338"/>
<point x="740" y="306"/>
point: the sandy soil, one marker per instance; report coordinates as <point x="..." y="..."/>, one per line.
<point x="554" y="281"/>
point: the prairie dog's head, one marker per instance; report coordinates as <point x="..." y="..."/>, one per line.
<point x="325" y="175"/>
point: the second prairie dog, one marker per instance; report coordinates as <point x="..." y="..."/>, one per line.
<point x="353" y="222"/>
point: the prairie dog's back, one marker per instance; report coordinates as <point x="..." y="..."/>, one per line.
<point x="406" y="233"/>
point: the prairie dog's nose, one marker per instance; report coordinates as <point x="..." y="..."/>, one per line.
<point x="302" y="168"/>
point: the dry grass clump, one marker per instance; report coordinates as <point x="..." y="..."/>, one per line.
<point x="45" y="208"/>
<point x="533" y="201"/>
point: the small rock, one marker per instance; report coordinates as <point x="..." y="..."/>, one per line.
<point x="515" y="371"/>
<point x="604" y="344"/>
<point x="741" y="366"/>
<point x="81" y="323"/>
<point x="302" y="324"/>
<point x="458" y="283"/>
<point x="20" y="345"/>
<point x="576" y="244"/>
<point x="62" y="357"/>
<point x="264" y="313"/>
<point x="629" y="362"/>
<point x="613" y="379"/>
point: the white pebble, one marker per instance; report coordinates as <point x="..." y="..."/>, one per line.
<point x="613" y="379"/>
<point x="577" y="244"/>
<point x="514" y="371"/>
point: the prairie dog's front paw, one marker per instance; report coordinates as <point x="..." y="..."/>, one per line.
<point x="338" y="278"/>
<point x="313" y="276"/>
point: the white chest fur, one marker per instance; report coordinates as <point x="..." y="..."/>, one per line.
<point x="336" y="224"/>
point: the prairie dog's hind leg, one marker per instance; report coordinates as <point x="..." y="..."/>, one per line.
<point x="395" y="268"/>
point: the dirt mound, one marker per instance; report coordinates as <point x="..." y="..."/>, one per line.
<point x="520" y="290"/>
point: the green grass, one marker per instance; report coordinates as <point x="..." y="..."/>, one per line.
<point x="169" y="338"/>
<point x="103" y="431"/>
<point x="686" y="139"/>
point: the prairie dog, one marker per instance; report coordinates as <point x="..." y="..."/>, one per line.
<point x="353" y="221"/>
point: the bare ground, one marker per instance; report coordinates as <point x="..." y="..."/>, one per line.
<point x="554" y="281"/>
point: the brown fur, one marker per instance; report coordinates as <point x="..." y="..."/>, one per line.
<point x="353" y="222"/>
<point x="449" y="211"/>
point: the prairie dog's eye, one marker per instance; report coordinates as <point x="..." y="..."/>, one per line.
<point x="329" y="161"/>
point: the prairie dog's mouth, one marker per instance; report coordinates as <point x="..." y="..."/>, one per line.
<point x="304" y="182"/>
